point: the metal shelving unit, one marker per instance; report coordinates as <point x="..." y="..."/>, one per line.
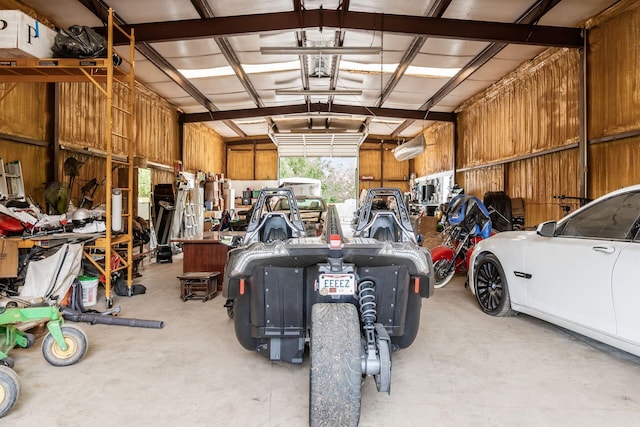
<point x="116" y="247"/>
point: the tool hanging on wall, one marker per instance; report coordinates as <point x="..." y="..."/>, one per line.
<point x="71" y="169"/>
<point x="88" y="191"/>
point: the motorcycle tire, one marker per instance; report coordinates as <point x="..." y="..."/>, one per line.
<point x="442" y="277"/>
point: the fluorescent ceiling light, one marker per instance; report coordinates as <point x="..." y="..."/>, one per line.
<point x="320" y="50"/>
<point x="386" y="121"/>
<point x="248" y="68"/>
<point x="358" y="67"/>
<point x="250" y="122"/>
<point x="311" y="92"/>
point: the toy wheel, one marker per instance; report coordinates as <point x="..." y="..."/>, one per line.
<point x="8" y="362"/>
<point x="77" y="345"/>
<point x="9" y="389"/>
<point x="336" y="371"/>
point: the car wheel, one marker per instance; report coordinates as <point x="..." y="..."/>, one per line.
<point x="491" y="287"/>
<point x="336" y="371"/>
<point x="411" y="322"/>
<point x="242" y="322"/>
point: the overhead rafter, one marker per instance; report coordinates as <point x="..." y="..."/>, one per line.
<point x="318" y="108"/>
<point x="499" y="32"/>
<point x="100" y="9"/>
<point x="532" y="15"/>
<point x="436" y="11"/>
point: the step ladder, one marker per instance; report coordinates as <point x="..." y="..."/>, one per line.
<point x="11" y="181"/>
<point x="190" y="224"/>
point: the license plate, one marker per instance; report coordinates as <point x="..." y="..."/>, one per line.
<point x="337" y="284"/>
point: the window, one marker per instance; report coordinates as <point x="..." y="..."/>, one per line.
<point x="613" y="218"/>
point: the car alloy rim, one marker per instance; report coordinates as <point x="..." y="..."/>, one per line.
<point x="489" y="286"/>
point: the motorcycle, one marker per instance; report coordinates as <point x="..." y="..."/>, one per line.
<point x="467" y="223"/>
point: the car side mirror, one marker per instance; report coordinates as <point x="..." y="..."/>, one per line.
<point x="547" y="229"/>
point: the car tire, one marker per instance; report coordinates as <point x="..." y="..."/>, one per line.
<point x="242" y="322"/>
<point x="336" y="371"/>
<point x="492" y="291"/>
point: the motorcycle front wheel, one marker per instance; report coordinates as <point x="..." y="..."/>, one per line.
<point x="443" y="272"/>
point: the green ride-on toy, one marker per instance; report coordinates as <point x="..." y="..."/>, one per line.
<point x="62" y="346"/>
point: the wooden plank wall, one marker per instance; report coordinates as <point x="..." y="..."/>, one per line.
<point x="204" y="149"/>
<point x="376" y="160"/>
<point x="614" y="98"/>
<point x="81" y="133"/>
<point x="521" y="122"/>
<point x="252" y="161"/>
<point x="438" y="153"/>
<point x="521" y="135"/>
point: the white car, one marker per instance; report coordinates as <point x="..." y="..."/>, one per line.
<point x="581" y="273"/>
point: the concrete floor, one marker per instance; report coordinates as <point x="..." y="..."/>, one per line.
<point x="465" y="368"/>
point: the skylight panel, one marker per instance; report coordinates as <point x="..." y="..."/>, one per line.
<point x="248" y="68"/>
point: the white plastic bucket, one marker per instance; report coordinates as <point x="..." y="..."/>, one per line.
<point x="89" y="290"/>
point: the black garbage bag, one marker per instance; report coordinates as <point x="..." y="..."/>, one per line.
<point x="79" y="41"/>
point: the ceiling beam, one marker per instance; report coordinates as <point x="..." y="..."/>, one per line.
<point x="100" y="9"/>
<point x="532" y="15"/>
<point x="500" y="32"/>
<point x="318" y="108"/>
<point x="436" y="11"/>
<point x="205" y="11"/>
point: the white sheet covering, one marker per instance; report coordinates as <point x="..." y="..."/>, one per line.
<point x="52" y="277"/>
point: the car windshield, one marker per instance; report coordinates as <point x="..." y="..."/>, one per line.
<point x="304" y="204"/>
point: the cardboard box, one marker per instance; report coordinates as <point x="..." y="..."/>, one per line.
<point x="8" y="258"/>
<point x="21" y="36"/>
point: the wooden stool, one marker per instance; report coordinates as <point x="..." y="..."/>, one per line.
<point x="198" y="285"/>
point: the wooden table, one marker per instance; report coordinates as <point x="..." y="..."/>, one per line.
<point x="206" y="253"/>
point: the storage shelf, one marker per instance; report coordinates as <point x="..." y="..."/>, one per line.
<point x="98" y="71"/>
<point x="20" y="70"/>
